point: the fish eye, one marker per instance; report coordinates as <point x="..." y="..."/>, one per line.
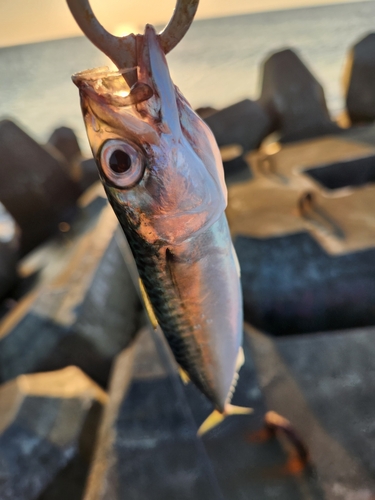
<point x="121" y="163"/>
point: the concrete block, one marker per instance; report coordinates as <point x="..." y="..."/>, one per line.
<point x="205" y="111"/>
<point x="294" y="98"/>
<point x="304" y="234"/>
<point x="88" y="173"/>
<point x="324" y="384"/>
<point x="47" y="421"/>
<point x="84" y="309"/>
<point x="83" y="171"/>
<point x="245" y="123"/>
<point x="9" y="251"/>
<point x="34" y="186"/>
<point x="65" y="141"/>
<point x="291" y="285"/>
<point x="247" y="460"/>
<point x="236" y="168"/>
<point x="147" y="445"/>
<point x="361" y="133"/>
<point x="359" y="78"/>
<point x="320" y="186"/>
<point x="348" y="173"/>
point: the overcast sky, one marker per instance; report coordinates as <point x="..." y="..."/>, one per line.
<point x="23" y="21"/>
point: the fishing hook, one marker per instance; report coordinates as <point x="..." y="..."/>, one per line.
<point x="123" y="50"/>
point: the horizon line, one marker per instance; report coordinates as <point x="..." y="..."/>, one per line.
<point x="316" y="4"/>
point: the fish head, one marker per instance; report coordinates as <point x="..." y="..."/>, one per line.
<point x="158" y="161"/>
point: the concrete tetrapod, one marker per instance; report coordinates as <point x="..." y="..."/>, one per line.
<point x="82" y="170"/>
<point x="9" y="251"/>
<point x="147" y="445"/>
<point x="65" y="141"/>
<point x="35" y="186"/>
<point x="324" y="384"/>
<point x="245" y="123"/>
<point x="359" y="81"/>
<point x="304" y="235"/>
<point x="83" y="310"/>
<point x="294" y="98"/>
<point x="46" y="421"/>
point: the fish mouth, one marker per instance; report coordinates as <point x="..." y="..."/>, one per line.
<point x="104" y="84"/>
<point x="102" y="78"/>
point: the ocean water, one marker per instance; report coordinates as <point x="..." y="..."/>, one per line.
<point x="217" y="63"/>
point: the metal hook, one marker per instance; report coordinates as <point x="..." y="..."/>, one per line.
<point x="122" y="50"/>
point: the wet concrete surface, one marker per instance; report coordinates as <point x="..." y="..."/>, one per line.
<point x="72" y="315"/>
<point x="35" y="186"/>
<point x="359" y="79"/>
<point x="291" y="285"/>
<point x="42" y="425"/>
<point x="322" y="383"/>
<point x="147" y="445"/>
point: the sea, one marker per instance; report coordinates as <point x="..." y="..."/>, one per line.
<point x="219" y="62"/>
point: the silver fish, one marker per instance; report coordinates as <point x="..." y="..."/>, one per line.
<point x="163" y="175"/>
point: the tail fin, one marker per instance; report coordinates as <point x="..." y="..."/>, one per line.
<point x="215" y="418"/>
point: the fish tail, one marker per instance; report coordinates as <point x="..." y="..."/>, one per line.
<point x="216" y="417"/>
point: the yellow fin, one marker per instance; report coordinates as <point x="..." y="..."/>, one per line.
<point x="184" y="376"/>
<point x="148" y="305"/>
<point x="237" y="410"/>
<point x="215" y="418"/>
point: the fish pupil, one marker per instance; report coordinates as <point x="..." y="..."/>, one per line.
<point x="120" y="162"/>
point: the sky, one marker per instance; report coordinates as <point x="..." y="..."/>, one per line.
<point x="25" y="21"/>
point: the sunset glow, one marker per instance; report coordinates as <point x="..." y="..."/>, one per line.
<point x="125" y="29"/>
<point x="23" y="21"/>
